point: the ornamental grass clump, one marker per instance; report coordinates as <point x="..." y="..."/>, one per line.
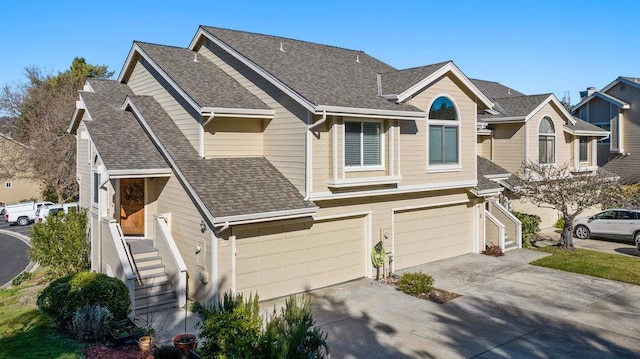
<point x="415" y="283"/>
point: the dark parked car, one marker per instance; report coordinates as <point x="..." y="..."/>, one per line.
<point x="612" y="223"/>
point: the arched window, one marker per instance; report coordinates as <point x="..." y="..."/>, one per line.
<point x="546" y="141"/>
<point x="444" y="132"/>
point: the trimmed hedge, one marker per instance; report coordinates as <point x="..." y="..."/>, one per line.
<point x="60" y="299"/>
<point x="530" y="226"/>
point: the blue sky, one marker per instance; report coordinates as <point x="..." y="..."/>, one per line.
<point x="534" y="47"/>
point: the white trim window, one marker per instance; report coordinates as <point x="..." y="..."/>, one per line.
<point x="96" y="188"/>
<point x="546" y="142"/>
<point x="444" y="133"/>
<point x="363" y="147"/>
<point x="583" y="149"/>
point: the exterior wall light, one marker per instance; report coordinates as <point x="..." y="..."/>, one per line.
<point x="203" y="226"/>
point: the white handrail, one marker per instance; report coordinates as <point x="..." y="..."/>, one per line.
<point x="174" y="252"/>
<point x="501" y="228"/>
<point x="512" y="218"/>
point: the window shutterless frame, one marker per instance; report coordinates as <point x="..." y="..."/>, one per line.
<point x="363" y="145"/>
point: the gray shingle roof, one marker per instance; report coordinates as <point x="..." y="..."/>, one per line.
<point x="205" y="82"/>
<point x="120" y="141"/>
<point x="495" y="90"/>
<point x="627" y="167"/>
<point x="487" y="168"/>
<point x="323" y="75"/>
<point x="227" y="186"/>
<point x="582" y="125"/>
<point x="396" y="82"/>
<point x="518" y="105"/>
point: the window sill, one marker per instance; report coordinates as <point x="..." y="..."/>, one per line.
<point x="363" y="168"/>
<point x="444" y="168"/>
<point x="362" y="182"/>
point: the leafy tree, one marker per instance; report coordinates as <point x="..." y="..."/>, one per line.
<point x="570" y="193"/>
<point x="61" y="243"/>
<point x="42" y="107"/>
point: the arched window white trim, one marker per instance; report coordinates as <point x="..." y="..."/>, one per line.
<point x="443" y="141"/>
<point x="546" y="141"/>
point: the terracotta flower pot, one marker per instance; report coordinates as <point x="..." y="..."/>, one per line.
<point x="185" y="342"/>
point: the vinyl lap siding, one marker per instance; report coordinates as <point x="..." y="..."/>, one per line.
<point x="233" y="137"/>
<point x="284" y="136"/>
<point x="508" y="150"/>
<point x="185" y="228"/>
<point x="414" y="136"/>
<point x="83" y="165"/>
<point x="144" y="80"/>
<point x="630" y="133"/>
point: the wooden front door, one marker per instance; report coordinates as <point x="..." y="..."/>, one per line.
<point x="132" y="206"/>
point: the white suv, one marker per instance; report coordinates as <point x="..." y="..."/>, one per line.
<point x="612" y="223"/>
<point x="54" y="209"/>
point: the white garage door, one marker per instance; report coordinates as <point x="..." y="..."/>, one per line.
<point x="427" y="235"/>
<point x="279" y="260"/>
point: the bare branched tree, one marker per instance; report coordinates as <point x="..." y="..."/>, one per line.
<point x="570" y="193"/>
<point x="42" y="107"/>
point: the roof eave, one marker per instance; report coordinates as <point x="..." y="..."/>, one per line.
<point x="370" y="112"/>
<point x="267" y="216"/>
<point x="509" y="119"/>
<point x="238" y="112"/>
<point x="552" y="98"/>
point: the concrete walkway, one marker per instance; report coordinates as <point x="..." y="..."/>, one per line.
<point x="508" y="309"/>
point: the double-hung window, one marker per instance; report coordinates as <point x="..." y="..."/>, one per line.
<point x="362" y="144"/>
<point x="584" y="149"/>
<point x="444" y="133"/>
<point x="546" y="142"/>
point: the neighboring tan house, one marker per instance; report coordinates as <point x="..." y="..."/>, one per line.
<point x="256" y="163"/>
<point x="534" y="128"/>
<point x="14" y="187"/>
<point x="615" y="108"/>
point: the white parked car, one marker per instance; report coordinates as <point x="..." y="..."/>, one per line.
<point x="23" y="213"/>
<point x="612" y="223"/>
<point x="54" y="210"/>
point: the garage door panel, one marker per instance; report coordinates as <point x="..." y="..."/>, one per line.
<point x="426" y="235"/>
<point x="294" y="260"/>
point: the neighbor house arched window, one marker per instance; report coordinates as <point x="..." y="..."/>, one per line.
<point x="444" y="132"/>
<point x="546" y="142"/>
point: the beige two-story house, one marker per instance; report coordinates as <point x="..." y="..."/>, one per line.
<point x="534" y="128"/>
<point x="257" y="163"/>
<point x="615" y="108"/>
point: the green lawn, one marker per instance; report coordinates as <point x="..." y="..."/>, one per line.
<point x="25" y="332"/>
<point x="596" y="264"/>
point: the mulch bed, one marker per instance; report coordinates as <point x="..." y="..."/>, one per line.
<point x="122" y="352"/>
<point x="439" y="296"/>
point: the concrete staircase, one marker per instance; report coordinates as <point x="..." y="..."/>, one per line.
<point x="509" y="244"/>
<point x="156" y="291"/>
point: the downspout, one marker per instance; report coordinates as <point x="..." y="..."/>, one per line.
<point x="214" y="262"/>
<point x="203" y="124"/>
<point x="309" y="154"/>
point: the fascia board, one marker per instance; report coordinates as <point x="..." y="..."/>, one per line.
<point x="259" y="70"/>
<point x="449" y="67"/>
<point x="611" y="99"/>
<point x="551" y="99"/>
<point x="128" y="64"/>
<point x="359" y="112"/>
<point x="237" y="112"/>
<point x="137" y="49"/>
<point x="510" y="119"/>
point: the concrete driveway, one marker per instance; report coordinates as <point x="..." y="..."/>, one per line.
<point x="508" y="309"/>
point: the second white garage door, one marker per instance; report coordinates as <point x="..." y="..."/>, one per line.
<point x="280" y="260"/>
<point x="427" y="235"/>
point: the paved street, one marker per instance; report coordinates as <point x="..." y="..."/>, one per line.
<point x="13" y="251"/>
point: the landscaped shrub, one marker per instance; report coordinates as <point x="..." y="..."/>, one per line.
<point x="60" y="299"/>
<point x="530" y="227"/>
<point x="292" y="334"/>
<point x="91" y="323"/>
<point x="493" y="250"/>
<point x="61" y="244"/>
<point x="415" y="283"/>
<point x="559" y="223"/>
<point x="231" y="328"/>
<point x="21" y="278"/>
